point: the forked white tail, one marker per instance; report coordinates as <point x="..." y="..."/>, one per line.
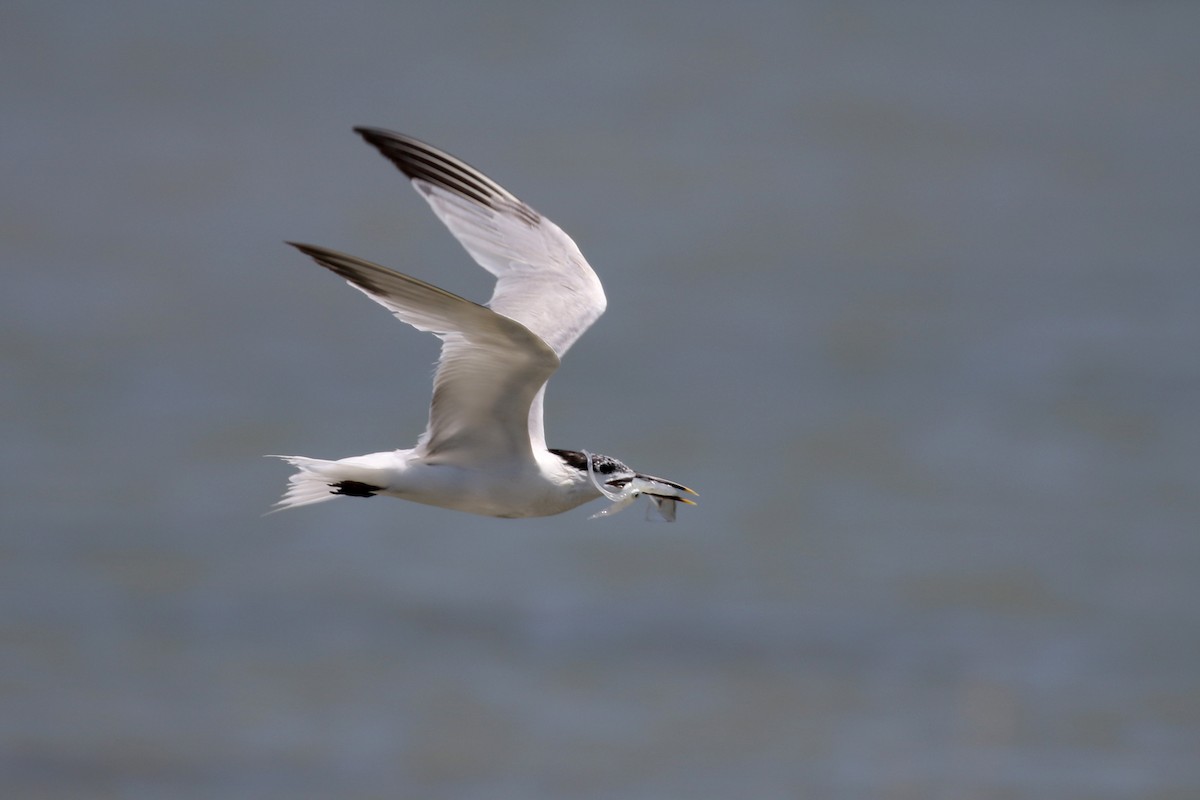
<point x="317" y="480"/>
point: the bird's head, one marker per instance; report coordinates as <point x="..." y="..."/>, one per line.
<point x="622" y="485"/>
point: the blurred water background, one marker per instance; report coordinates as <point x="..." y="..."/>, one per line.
<point x="908" y="291"/>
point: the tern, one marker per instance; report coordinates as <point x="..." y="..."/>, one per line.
<point x="484" y="449"/>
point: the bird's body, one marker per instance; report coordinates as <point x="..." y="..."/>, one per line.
<point x="544" y="487"/>
<point x="484" y="450"/>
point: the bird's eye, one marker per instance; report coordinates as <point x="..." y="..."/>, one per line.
<point x="604" y="464"/>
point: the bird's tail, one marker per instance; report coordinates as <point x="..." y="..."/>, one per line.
<point x="316" y="481"/>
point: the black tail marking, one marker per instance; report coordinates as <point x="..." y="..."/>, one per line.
<point x="354" y="489"/>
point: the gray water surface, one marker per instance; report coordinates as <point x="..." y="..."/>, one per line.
<point x="909" y="292"/>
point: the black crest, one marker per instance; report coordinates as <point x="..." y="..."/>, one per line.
<point x="605" y="465"/>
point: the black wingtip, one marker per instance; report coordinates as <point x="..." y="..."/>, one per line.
<point x="375" y="135"/>
<point x="310" y="250"/>
<point x="386" y="141"/>
<point x="396" y="148"/>
<point x="329" y="259"/>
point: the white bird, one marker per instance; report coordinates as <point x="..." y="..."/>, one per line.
<point x="484" y="450"/>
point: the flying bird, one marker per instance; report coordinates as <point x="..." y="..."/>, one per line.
<point x="484" y="450"/>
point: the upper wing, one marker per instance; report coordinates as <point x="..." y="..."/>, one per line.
<point x="489" y="372"/>
<point x="543" y="281"/>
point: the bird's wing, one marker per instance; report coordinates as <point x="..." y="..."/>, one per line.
<point x="542" y="280"/>
<point x="490" y="369"/>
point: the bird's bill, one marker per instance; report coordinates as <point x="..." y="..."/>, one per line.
<point x="662" y="494"/>
<point x="661" y="487"/>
